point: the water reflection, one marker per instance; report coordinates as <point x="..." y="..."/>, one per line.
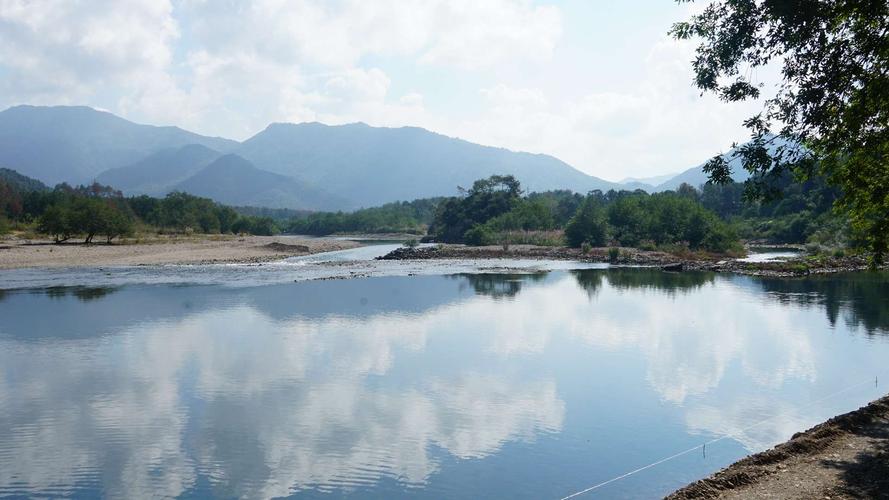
<point x="499" y="285"/>
<point x="84" y="293"/>
<point x="420" y="386"/>
<point x="642" y="278"/>
<point x="260" y="406"/>
<point x="862" y="298"/>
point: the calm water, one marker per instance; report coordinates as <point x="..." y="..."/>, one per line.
<point x="480" y="385"/>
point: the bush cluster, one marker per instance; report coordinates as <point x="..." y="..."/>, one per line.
<point x="638" y="219"/>
<point x="398" y="217"/>
<point x="95" y="210"/>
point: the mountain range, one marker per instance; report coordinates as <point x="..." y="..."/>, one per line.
<point x="303" y="166"/>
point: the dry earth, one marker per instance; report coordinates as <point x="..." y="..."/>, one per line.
<point x="845" y="457"/>
<point x="17" y="253"/>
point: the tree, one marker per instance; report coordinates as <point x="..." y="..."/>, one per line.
<point x="487" y="199"/>
<point x="629" y="219"/>
<point x="56" y="221"/>
<point x="588" y="225"/>
<point x="89" y="216"/>
<point x="830" y="113"/>
<point x="688" y="191"/>
<point x="117" y="223"/>
<point x="10" y="200"/>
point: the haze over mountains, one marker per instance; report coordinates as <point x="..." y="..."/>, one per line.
<point x="306" y="166"/>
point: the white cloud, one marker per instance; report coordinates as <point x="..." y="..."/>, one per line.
<point x="341" y="428"/>
<point x="659" y="125"/>
<point x="475" y="69"/>
<point x="474" y="34"/>
<point x="59" y="51"/>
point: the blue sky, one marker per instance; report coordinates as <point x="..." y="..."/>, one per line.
<point x="598" y="84"/>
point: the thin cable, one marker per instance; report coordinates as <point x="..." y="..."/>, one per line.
<point x="677" y="455"/>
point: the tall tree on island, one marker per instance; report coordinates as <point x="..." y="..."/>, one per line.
<point x="829" y="114"/>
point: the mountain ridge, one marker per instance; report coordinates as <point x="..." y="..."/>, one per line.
<point x="374" y="165"/>
<point x="232" y="180"/>
<point x="337" y="167"/>
<point x="76" y="143"/>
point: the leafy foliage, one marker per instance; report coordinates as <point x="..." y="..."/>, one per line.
<point x="87" y="210"/>
<point x="632" y="219"/>
<point x="833" y="98"/>
<point x="589" y="225"/>
<point x="804" y="213"/>
<point x="398" y="217"/>
<point x="66" y="211"/>
<point x="487" y="199"/>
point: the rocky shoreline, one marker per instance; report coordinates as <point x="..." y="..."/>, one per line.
<point x="634" y="257"/>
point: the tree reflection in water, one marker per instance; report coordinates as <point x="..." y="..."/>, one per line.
<point x="499" y="285"/>
<point x="863" y="296"/>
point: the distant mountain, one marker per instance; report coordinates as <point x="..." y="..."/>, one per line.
<point x="21" y="183"/>
<point x="75" y="143"/>
<point x="696" y="176"/>
<point x="297" y="166"/>
<point x="370" y="165"/>
<point x="633" y="186"/>
<point x="232" y="180"/>
<point x="157" y="174"/>
<point x="651" y="181"/>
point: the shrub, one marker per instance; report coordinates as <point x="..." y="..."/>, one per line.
<point x="585" y="247"/>
<point x="721" y="238"/>
<point x="4" y="225"/>
<point x="587" y="225"/>
<point x="412" y="243"/>
<point x="613" y="254"/>
<point x="478" y="235"/>
<point x="839" y="253"/>
<point x="647" y="245"/>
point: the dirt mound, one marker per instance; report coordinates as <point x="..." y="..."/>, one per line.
<point x="861" y="437"/>
<point x="286" y="248"/>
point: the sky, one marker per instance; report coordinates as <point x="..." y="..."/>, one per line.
<point x="598" y="84"/>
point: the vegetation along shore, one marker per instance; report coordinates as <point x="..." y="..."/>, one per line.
<point x="687" y="229"/>
<point x="796" y="266"/>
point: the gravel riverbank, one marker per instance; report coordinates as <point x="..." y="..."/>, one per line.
<point x="634" y="257"/>
<point x="17" y="254"/>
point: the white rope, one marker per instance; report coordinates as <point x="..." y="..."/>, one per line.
<point x="677" y="455"/>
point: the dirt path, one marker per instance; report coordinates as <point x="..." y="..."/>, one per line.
<point x="845" y="457"/>
<point x="159" y="250"/>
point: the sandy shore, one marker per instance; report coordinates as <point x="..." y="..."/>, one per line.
<point x="845" y="457"/>
<point x="163" y="250"/>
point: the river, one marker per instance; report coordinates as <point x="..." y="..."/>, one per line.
<point x="488" y="379"/>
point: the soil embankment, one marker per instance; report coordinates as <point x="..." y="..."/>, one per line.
<point x="845" y="457"/>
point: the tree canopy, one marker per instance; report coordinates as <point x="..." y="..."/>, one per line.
<point x="829" y="114"/>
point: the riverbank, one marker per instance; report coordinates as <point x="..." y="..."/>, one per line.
<point x="845" y="457"/>
<point x="801" y="266"/>
<point x="195" y="249"/>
